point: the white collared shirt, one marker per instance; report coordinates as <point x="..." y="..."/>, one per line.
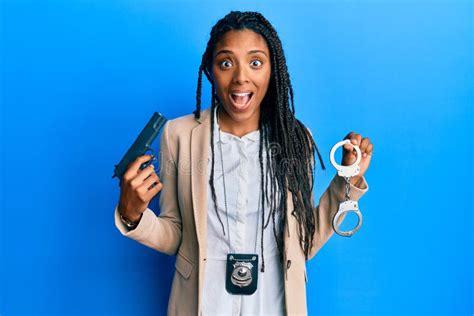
<point x="242" y="183"/>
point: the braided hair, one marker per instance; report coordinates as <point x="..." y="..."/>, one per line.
<point x="290" y="161"/>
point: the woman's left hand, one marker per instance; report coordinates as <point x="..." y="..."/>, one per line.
<point x="349" y="155"/>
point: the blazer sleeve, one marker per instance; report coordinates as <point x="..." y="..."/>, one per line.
<point x="162" y="233"/>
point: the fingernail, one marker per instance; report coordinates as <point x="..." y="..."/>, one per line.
<point x="364" y="155"/>
<point x="354" y="141"/>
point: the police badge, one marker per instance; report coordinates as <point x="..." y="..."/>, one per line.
<point x="242" y="273"/>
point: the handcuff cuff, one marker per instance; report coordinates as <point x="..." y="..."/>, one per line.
<point x="348" y="205"/>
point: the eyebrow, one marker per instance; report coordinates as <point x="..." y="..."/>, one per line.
<point x="248" y="53"/>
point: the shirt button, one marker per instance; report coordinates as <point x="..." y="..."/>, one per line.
<point x="288" y="264"/>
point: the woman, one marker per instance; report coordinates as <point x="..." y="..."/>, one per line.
<point x="229" y="172"/>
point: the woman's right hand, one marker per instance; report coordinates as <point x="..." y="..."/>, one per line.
<point x="137" y="189"/>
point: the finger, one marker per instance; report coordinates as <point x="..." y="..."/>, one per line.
<point x="348" y="147"/>
<point x="145" y="173"/>
<point x="363" y="144"/>
<point x="146" y="185"/>
<point x="368" y="153"/>
<point x="134" y="166"/>
<point x="142" y="176"/>
<point x="355" y="142"/>
<point x="358" y="139"/>
<point x="349" y="135"/>
<point x="153" y="191"/>
<point x="370" y="148"/>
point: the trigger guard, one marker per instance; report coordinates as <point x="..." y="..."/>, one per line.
<point x="149" y="162"/>
<point x="344" y="207"/>
<point x="346" y="171"/>
<point x="152" y="152"/>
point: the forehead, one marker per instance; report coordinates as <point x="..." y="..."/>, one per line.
<point x="244" y="40"/>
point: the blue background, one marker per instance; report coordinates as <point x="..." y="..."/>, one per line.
<point x="79" y="79"/>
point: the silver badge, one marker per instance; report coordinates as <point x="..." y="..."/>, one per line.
<point x="241" y="275"/>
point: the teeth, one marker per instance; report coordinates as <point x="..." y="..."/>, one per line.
<point x="242" y="94"/>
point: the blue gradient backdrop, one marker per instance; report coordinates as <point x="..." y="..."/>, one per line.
<point x="79" y="79"/>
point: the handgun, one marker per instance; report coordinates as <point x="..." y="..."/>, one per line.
<point x="141" y="145"/>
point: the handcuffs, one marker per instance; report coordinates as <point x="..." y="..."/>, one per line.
<point x="348" y="205"/>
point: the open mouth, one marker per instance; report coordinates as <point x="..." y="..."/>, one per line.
<point x="241" y="100"/>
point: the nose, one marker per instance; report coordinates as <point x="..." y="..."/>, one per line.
<point x="240" y="75"/>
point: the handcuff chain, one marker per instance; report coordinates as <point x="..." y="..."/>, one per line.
<point x="347" y="195"/>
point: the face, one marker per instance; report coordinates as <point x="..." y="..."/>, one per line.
<point x="241" y="71"/>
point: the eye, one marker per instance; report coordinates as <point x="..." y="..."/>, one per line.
<point x="225" y="62"/>
<point x="256" y="62"/>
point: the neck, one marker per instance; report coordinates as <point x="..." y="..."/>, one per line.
<point x="238" y="128"/>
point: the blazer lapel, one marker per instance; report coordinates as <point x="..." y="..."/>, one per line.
<point x="200" y="140"/>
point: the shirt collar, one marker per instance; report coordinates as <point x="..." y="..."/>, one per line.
<point x="226" y="137"/>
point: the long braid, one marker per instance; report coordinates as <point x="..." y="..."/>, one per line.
<point x="211" y="178"/>
<point x="260" y="159"/>
<point x="289" y="148"/>
<point x="197" y="112"/>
